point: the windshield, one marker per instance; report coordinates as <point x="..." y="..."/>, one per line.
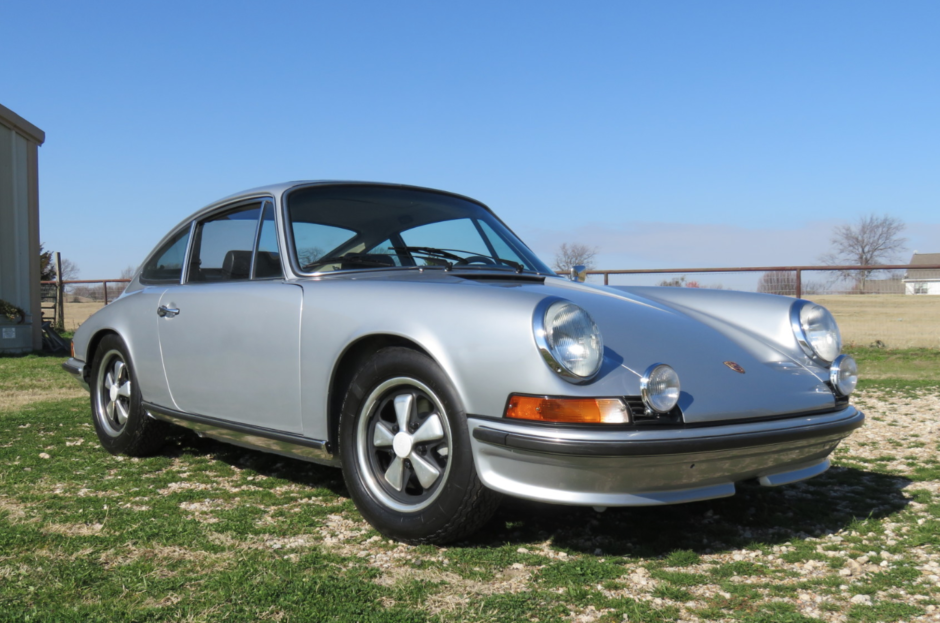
<point x="359" y="227"/>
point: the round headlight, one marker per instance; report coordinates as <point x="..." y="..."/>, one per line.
<point x="844" y="374"/>
<point x="569" y="340"/>
<point x="660" y="388"/>
<point x="816" y="330"/>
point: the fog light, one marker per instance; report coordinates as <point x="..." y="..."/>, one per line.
<point x="843" y="374"/>
<point x="568" y="410"/>
<point x="660" y="388"/>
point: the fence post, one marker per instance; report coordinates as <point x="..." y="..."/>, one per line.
<point x="59" y="294"/>
<point x="799" y="283"/>
<point x="606" y="279"/>
<point x="105" y="292"/>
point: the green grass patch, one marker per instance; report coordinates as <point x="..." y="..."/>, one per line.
<point x="683" y="558"/>
<point x="208" y="531"/>
<point x="900" y="364"/>
<point x="884" y="611"/>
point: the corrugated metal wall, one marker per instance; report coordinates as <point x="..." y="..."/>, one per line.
<point x="19" y="230"/>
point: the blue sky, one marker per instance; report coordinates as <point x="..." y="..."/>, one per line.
<point x="668" y="133"/>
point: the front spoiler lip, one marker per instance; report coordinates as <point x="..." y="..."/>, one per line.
<point x="838" y="424"/>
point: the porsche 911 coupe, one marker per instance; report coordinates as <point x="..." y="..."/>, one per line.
<point x="408" y="336"/>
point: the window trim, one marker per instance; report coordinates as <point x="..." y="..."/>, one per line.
<point x="277" y="241"/>
<point x="198" y="222"/>
<point x="294" y="264"/>
<point x="189" y="241"/>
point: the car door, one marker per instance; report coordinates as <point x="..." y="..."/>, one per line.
<point x="163" y="269"/>
<point x="230" y="334"/>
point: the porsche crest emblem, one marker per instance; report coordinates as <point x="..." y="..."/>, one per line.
<point x="734" y="366"/>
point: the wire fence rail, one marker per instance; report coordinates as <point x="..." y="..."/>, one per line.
<point x="69" y="303"/>
<point x="892" y="306"/>
<point x="885" y="306"/>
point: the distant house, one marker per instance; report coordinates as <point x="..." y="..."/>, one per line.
<point x="923" y="280"/>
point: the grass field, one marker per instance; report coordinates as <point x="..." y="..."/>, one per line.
<point x="77" y="313"/>
<point x="211" y="532"/>
<point x="895" y="320"/>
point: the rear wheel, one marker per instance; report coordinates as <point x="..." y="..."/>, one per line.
<point x="406" y="451"/>
<point x="119" y="418"/>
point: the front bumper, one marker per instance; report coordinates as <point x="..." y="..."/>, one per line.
<point x="650" y="467"/>
<point x="77" y="369"/>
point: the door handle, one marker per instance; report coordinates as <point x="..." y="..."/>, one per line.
<point x="163" y="311"/>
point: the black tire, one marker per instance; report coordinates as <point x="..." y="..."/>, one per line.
<point x="118" y="416"/>
<point x="408" y="503"/>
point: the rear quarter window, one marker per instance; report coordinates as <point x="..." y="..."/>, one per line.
<point x="166" y="265"/>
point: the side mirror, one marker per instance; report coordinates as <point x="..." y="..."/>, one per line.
<point x="578" y="273"/>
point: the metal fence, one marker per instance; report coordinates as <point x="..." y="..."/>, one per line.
<point x="881" y="306"/>
<point x="69" y="303"/>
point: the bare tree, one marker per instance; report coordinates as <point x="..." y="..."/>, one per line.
<point x="682" y="282"/>
<point x="116" y="289"/>
<point x="47" y="266"/>
<point x="674" y="282"/>
<point x="309" y="255"/>
<point x="574" y="254"/>
<point x="69" y="270"/>
<point x="778" y="282"/>
<point x="871" y="241"/>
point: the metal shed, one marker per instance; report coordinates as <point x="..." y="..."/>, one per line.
<point x="19" y="231"/>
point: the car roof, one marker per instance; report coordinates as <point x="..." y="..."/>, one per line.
<point x="277" y="189"/>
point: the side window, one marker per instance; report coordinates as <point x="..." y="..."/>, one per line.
<point x="167" y="264"/>
<point x="268" y="260"/>
<point x="224" y="244"/>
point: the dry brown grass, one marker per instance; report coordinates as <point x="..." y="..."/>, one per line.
<point x="898" y="321"/>
<point x="77" y="313"/>
<point x="17" y="399"/>
<point x="24" y="381"/>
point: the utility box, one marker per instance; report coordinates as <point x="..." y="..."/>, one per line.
<point x="19" y="231"/>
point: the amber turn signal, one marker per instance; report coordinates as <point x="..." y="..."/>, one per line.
<point x="568" y="410"/>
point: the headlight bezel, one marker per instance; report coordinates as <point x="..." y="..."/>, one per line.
<point x="796" y="323"/>
<point x="841" y="363"/>
<point x="546" y="348"/>
<point x="645" y="393"/>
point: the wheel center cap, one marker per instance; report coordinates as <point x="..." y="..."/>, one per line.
<point x="113" y="392"/>
<point x="402" y="444"/>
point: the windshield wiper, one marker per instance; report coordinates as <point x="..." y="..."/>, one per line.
<point x="462" y="262"/>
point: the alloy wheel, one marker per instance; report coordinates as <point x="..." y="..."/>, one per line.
<point x="113" y="393"/>
<point x="404" y="444"/>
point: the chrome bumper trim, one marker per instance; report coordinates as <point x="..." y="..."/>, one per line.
<point x="708" y="439"/>
<point x="247" y="436"/>
<point x="775" y="480"/>
<point x="77" y="369"/>
<point x="652" y="467"/>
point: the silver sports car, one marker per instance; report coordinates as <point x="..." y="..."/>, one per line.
<point x="409" y="336"/>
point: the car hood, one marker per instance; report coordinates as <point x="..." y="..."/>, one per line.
<point x="702" y="335"/>
<point x="698" y="333"/>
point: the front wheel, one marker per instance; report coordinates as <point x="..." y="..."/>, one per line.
<point x="120" y="421"/>
<point x="406" y="451"/>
